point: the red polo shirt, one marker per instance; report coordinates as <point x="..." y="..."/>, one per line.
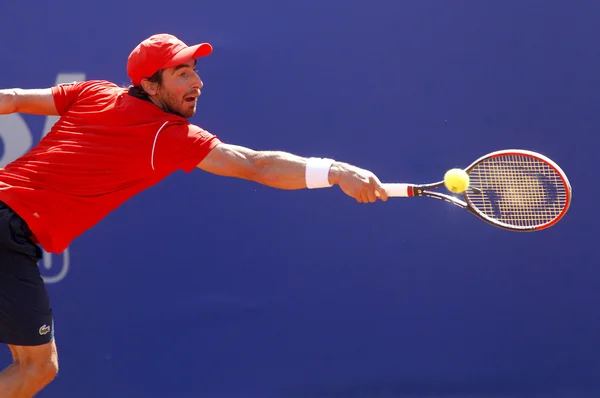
<point x="106" y="147"/>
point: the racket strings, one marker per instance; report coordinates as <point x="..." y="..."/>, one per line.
<point x="518" y="190"/>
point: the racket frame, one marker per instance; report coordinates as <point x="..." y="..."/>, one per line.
<point x="426" y="190"/>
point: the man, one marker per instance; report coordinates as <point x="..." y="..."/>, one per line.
<point x="109" y="144"/>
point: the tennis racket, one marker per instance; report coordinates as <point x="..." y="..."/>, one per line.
<point x="514" y="189"/>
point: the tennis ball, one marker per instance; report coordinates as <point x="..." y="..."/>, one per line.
<point x="456" y="180"/>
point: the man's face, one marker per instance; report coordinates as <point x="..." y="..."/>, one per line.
<point x="180" y="89"/>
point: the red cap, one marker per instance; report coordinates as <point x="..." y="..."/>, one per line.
<point x="159" y="52"/>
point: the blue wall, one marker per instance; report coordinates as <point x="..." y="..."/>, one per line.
<point x="211" y="287"/>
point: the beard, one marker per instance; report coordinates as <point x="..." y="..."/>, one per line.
<point x="184" y="109"/>
<point x="179" y="106"/>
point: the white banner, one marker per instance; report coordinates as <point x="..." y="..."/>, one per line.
<point x="17" y="141"/>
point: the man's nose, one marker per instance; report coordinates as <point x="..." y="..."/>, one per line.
<point x="198" y="83"/>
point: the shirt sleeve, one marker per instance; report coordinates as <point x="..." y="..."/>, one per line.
<point x="66" y="94"/>
<point x="181" y="146"/>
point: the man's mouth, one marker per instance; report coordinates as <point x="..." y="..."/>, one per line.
<point x="191" y="98"/>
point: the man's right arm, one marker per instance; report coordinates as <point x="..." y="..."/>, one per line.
<point x="34" y="101"/>
<point x="283" y="170"/>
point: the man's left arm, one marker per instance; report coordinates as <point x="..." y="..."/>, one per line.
<point x="32" y="101"/>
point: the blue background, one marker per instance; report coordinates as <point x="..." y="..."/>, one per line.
<point x="205" y="286"/>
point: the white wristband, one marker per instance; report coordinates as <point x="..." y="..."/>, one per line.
<point x="317" y="173"/>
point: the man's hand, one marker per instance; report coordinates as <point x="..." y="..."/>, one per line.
<point x="362" y="185"/>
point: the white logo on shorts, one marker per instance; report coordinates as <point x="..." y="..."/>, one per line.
<point x="44" y="330"/>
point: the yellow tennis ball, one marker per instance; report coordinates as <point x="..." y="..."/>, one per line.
<point x="456" y="180"/>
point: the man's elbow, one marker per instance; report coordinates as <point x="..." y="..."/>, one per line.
<point x="254" y="168"/>
<point x="244" y="164"/>
<point x="264" y="171"/>
<point x="8" y="101"/>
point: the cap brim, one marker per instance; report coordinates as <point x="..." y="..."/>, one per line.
<point x="192" y="52"/>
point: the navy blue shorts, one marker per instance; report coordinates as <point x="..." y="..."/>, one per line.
<point x="25" y="313"/>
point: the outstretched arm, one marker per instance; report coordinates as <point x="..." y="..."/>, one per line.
<point x="35" y="102"/>
<point x="284" y="170"/>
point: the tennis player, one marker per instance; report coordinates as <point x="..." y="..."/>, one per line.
<point x="110" y="144"/>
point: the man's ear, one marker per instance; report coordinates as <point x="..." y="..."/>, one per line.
<point x="149" y="87"/>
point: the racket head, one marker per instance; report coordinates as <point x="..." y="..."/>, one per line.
<point x="518" y="189"/>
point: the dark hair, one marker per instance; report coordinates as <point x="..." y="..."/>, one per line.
<point x="138" y="91"/>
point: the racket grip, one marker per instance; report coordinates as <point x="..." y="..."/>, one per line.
<point x="397" y="189"/>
